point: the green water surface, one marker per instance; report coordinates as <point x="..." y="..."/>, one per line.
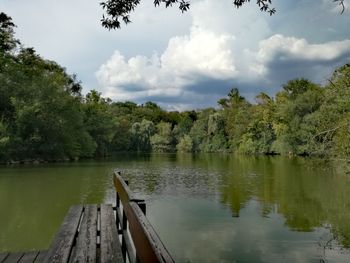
<point x="206" y="208"/>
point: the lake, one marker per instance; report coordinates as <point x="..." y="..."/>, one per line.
<point x="205" y="207"/>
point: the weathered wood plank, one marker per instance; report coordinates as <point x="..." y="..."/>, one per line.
<point x="85" y="250"/>
<point x="14" y="257"/>
<point x="29" y="257"/>
<point x="123" y="190"/>
<point x="125" y="235"/>
<point x="41" y="256"/>
<point x="3" y="256"/>
<point x="60" y="248"/>
<point x="149" y="247"/>
<point x="110" y="245"/>
<point x="129" y="246"/>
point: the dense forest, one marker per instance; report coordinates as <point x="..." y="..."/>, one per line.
<point x="44" y="116"/>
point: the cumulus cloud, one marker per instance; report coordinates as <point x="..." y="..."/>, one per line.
<point x="279" y="47"/>
<point x="201" y="54"/>
<point x="197" y="56"/>
<point x="280" y="58"/>
<point x="193" y="67"/>
<point x="223" y="48"/>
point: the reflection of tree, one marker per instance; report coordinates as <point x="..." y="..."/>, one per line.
<point x="306" y="193"/>
<point x="238" y="185"/>
<point x="236" y="193"/>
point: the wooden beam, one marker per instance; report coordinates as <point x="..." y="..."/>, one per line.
<point x="129" y="246"/>
<point x="85" y="249"/>
<point x="149" y="247"/>
<point x="14" y="257"/>
<point x="110" y="245"/>
<point x="60" y="248"/>
<point x="123" y="190"/>
<point x="29" y="257"/>
<point x="41" y="256"/>
<point x="3" y="256"/>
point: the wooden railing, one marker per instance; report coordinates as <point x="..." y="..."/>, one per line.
<point x="140" y="241"/>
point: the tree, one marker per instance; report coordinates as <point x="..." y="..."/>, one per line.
<point x="294" y="126"/>
<point x="162" y="141"/>
<point x="4" y="141"/>
<point x="199" y="130"/>
<point x="7" y="39"/>
<point x="237" y="112"/>
<point x="40" y="117"/>
<point x="216" y="137"/>
<point x="141" y="134"/>
<point x="260" y="133"/>
<point x="185" y="144"/>
<point x="118" y="11"/>
<point x="122" y="136"/>
<point x="332" y="120"/>
<point x="99" y="122"/>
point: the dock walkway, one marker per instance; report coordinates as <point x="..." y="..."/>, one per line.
<point x="102" y="233"/>
<point x="23" y="257"/>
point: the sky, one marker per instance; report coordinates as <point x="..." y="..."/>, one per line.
<point x="187" y="61"/>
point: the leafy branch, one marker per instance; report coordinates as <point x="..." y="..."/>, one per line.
<point x="118" y="11"/>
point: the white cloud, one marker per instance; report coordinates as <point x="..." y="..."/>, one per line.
<point x="212" y="42"/>
<point x="282" y="58"/>
<point x="201" y="53"/>
<point x="291" y="48"/>
<point x="212" y="49"/>
<point x="204" y="54"/>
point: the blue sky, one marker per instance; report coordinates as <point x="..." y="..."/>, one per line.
<point x="187" y="61"/>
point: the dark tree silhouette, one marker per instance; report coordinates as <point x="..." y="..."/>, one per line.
<point x="7" y="40"/>
<point x="118" y="11"/>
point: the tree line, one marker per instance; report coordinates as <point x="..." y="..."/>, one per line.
<point x="44" y="116"/>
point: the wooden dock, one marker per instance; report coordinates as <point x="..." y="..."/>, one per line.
<point x="23" y="257"/>
<point x="102" y="233"/>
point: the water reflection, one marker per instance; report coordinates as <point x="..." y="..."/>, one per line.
<point x="307" y="194"/>
<point x="206" y="208"/>
<point x="296" y="209"/>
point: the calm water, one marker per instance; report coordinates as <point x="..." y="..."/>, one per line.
<point x="206" y="208"/>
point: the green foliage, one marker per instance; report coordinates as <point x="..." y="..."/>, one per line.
<point x="185" y="144"/>
<point x="40" y="110"/>
<point x="44" y="116"/>
<point x="4" y="141"/>
<point x="141" y="134"/>
<point x="216" y="137"/>
<point x="331" y="121"/>
<point x="122" y="136"/>
<point x="296" y="103"/>
<point x="199" y="130"/>
<point x="162" y="141"/>
<point x="99" y="122"/>
<point x="237" y="112"/>
<point x="260" y="133"/>
<point x="118" y="11"/>
<point x="7" y="39"/>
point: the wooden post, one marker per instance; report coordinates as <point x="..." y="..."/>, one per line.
<point x="117" y="206"/>
<point x="142" y="207"/>
<point x="123" y="248"/>
<point x="148" y="248"/>
<point x="117" y="195"/>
